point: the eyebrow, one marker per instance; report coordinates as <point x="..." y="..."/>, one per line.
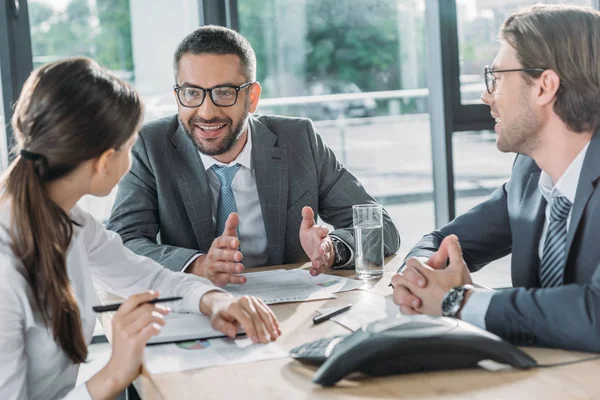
<point x="200" y="87"/>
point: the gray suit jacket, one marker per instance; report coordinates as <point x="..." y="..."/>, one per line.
<point x="166" y="193"/>
<point x="511" y="221"/>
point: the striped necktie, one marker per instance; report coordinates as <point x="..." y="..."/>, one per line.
<point x="553" y="257"/>
<point x="226" y="204"/>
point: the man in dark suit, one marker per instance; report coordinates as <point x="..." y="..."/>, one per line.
<point x="544" y="93"/>
<point x="215" y="189"/>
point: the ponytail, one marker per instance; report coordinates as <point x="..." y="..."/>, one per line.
<point x="40" y="233"/>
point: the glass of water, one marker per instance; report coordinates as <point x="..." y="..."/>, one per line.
<point x="368" y="238"/>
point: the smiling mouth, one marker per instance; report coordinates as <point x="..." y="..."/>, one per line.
<point x="210" y="128"/>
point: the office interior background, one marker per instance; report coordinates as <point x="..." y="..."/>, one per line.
<point x="392" y="85"/>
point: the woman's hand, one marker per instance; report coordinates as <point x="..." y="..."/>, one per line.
<point x="252" y="314"/>
<point x="134" y="324"/>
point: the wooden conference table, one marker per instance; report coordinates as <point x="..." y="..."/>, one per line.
<point x="288" y="379"/>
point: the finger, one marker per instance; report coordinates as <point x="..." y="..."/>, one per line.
<point x="235" y="312"/>
<point x="269" y="325"/>
<point x="414" y="276"/>
<point x="403" y="297"/>
<point x="455" y="252"/>
<point x="224" y="267"/>
<point x="272" y="316"/>
<point x="130" y="321"/>
<point x="440" y="257"/>
<point x="220" y="280"/>
<point x="323" y="231"/>
<point x="308" y="218"/>
<point x="225" y="242"/>
<point x="397" y="280"/>
<point x="134" y="301"/>
<point x="233" y="220"/>
<point x="408" y="310"/>
<point x="248" y="304"/>
<point x="146" y="333"/>
<point x="227" y="254"/>
<point x="418" y="266"/>
<point x="319" y="266"/>
<point x="136" y="326"/>
<point x="318" y="270"/>
<point x="237" y="280"/>
<point x="225" y="326"/>
<point x="323" y="262"/>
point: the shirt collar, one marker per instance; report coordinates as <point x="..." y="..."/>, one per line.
<point x="244" y="158"/>
<point x="567" y="184"/>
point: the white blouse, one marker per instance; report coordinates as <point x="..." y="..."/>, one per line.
<point x="32" y="365"/>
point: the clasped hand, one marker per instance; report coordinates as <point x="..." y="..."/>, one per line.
<point x="421" y="287"/>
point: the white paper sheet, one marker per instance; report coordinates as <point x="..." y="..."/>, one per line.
<point x="181" y="326"/>
<point x="370" y="309"/>
<point x="283" y="286"/>
<point x="335" y="284"/>
<point x="206" y="353"/>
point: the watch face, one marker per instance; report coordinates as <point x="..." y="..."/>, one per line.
<point x="452" y="301"/>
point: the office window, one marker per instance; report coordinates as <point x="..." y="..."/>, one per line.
<point x="133" y="40"/>
<point x="479" y="22"/>
<point x="358" y="69"/>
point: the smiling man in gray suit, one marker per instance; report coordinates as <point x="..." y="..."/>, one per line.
<point x="215" y="189"/>
<point x="544" y="92"/>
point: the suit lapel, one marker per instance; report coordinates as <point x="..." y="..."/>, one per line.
<point x="529" y="229"/>
<point x="271" y="171"/>
<point x="590" y="172"/>
<point x="193" y="186"/>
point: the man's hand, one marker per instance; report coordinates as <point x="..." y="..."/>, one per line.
<point x="429" y="285"/>
<point x="408" y="302"/>
<point x="251" y="313"/>
<point x="222" y="261"/>
<point x="316" y="243"/>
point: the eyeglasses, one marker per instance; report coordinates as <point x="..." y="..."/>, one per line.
<point x="490" y="79"/>
<point x="221" y="96"/>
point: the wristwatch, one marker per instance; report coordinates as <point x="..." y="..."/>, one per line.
<point x="453" y="300"/>
<point x="342" y="253"/>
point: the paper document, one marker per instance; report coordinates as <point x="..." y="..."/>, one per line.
<point x="283" y="286"/>
<point x="337" y="284"/>
<point x="369" y="309"/>
<point x="180" y="326"/>
<point x="207" y="353"/>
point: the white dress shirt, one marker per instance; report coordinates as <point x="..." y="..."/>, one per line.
<point x="253" y="236"/>
<point x="32" y="365"/>
<point x="475" y="309"/>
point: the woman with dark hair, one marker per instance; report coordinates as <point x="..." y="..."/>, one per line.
<point x="75" y="125"/>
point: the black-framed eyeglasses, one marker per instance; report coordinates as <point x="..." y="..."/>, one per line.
<point x="490" y="79"/>
<point x="221" y="96"/>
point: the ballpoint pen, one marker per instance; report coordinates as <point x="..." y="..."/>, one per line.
<point x="324" y="317"/>
<point x="115" y="307"/>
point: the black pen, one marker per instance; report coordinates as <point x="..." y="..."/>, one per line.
<point x="115" y="307"/>
<point x="324" y="317"/>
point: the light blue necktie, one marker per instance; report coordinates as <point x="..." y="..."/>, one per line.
<point x="226" y="204"/>
<point x="553" y="258"/>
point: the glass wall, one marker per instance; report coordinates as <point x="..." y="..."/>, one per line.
<point x="479" y="22"/>
<point x="135" y="41"/>
<point x="358" y="69"/>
